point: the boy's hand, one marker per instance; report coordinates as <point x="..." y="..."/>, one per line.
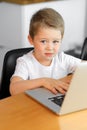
<point x="57" y="85"/>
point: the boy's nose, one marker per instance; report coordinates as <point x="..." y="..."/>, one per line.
<point x="49" y="46"/>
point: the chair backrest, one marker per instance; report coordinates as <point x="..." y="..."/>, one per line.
<point x="8" y="69"/>
<point x="84" y="50"/>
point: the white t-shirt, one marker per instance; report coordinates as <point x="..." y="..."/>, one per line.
<point x="28" y="67"/>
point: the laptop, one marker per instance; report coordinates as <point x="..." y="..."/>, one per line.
<point x="75" y="98"/>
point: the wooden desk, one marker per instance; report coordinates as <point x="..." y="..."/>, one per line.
<point x="20" y="112"/>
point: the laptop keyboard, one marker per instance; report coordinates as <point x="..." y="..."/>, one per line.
<point x="58" y="99"/>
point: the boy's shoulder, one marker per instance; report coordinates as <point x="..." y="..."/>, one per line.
<point x="62" y="56"/>
<point x="26" y="57"/>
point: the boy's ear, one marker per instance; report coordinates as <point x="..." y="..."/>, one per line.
<point x="30" y="40"/>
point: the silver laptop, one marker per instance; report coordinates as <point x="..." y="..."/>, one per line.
<point x="75" y="98"/>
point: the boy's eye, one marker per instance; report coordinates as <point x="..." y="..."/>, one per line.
<point x="56" y="42"/>
<point x="43" y="41"/>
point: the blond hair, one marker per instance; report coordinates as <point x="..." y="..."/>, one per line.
<point x="46" y="17"/>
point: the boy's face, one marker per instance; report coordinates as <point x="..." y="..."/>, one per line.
<point x="46" y="44"/>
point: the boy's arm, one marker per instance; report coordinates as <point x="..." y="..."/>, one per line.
<point x="19" y="85"/>
<point x="67" y="78"/>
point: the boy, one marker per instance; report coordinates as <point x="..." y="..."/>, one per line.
<point x="45" y="66"/>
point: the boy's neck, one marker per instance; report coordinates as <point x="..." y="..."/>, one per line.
<point x="43" y="62"/>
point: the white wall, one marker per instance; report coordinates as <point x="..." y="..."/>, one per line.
<point x="10" y="25"/>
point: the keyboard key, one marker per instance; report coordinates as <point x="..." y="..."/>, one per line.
<point x="58" y="99"/>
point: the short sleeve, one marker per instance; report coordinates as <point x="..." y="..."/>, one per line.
<point x="21" y="69"/>
<point x="69" y="62"/>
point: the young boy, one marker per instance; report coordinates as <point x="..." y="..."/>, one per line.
<point x="45" y="66"/>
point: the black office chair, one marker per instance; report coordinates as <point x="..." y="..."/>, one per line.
<point x="8" y="69"/>
<point x="84" y="50"/>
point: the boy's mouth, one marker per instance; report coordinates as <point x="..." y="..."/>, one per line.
<point x="49" y="54"/>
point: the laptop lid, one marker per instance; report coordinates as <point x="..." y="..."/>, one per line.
<point x="76" y="96"/>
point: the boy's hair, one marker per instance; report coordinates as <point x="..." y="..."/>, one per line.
<point x="46" y="17"/>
